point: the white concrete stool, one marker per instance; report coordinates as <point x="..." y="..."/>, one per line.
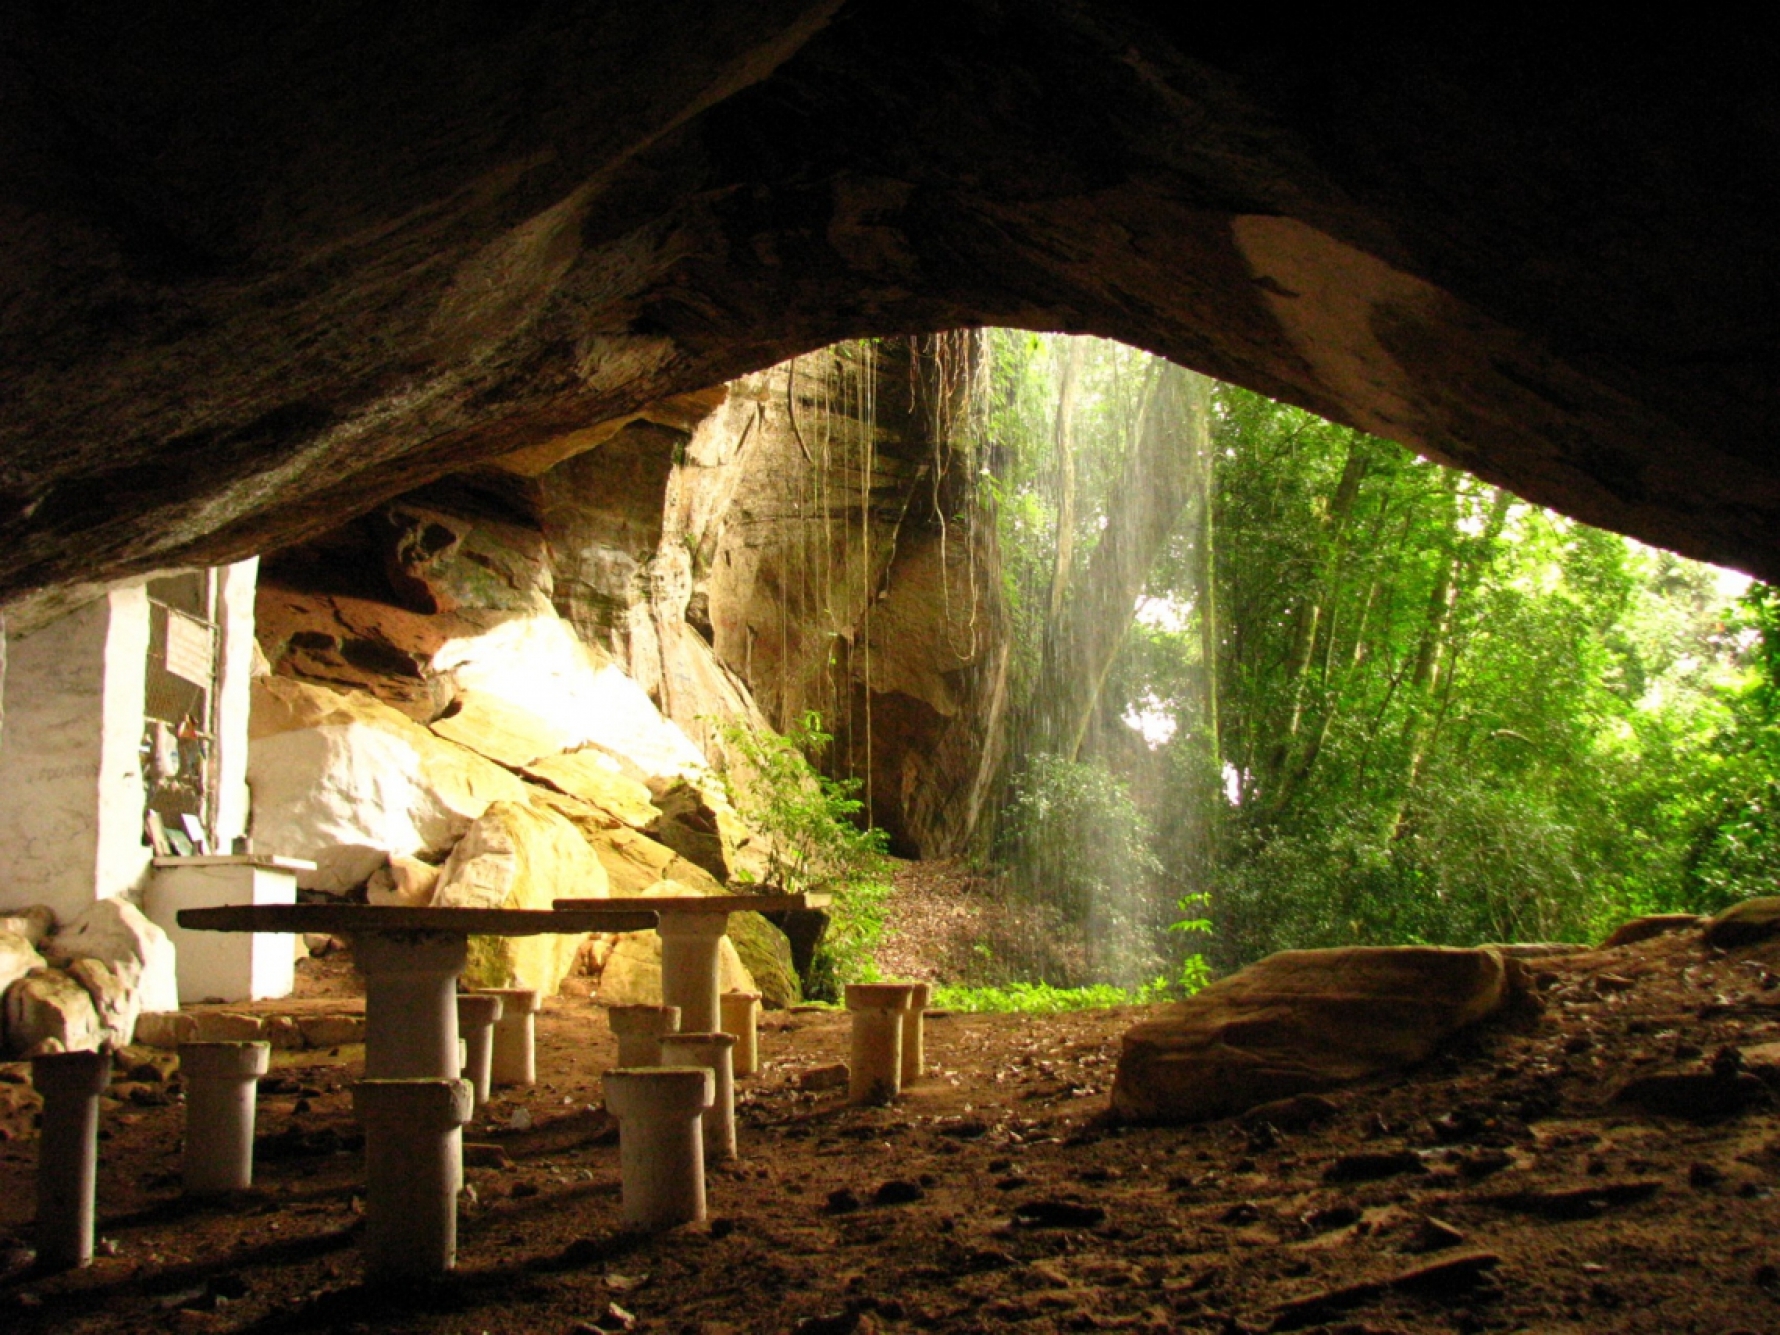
<point x="690" y="975"/>
<point x="413" y="1169"/>
<point x="410" y="1003"/>
<point x="914" y="1039"/>
<point x="639" y="1031"/>
<point x="875" y="1060"/>
<point x="514" y="1061"/>
<point x="221" y="1097"/>
<point x="715" y="1052"/>
<point x="661" y="1159"/>
<point x="741" y="1017"/>
<point x="68" y="1154"/>
<point x="477" y="1013"/>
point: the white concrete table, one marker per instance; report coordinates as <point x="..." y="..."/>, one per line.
<point x="692" y="929"/>
<point x="411" y="958"/>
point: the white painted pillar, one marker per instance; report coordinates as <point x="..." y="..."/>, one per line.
<point x="914" y="1037"/>
<point x="639" y="1031"/>
<point x="875" y="1062"/>
<point x="413" y="1137"/>
<point x="715" y="1052"/>
<point x="68" y="1154"/>
<point x="741" y="1017"/>
<point x="661" y="1158"/>
<point x="477" y="1013"/>
<point x="515" y="1059"/>
<point x="690" y="974"/>
<point x="221" y="1093"/>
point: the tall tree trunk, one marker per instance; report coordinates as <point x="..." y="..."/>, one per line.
<point x="1205" y="583"/>
<point x="1155" y="484"/>
<point x="1459" y="575"/>
<point x="1063" y="437"/>
<point x="1298" y="745"/>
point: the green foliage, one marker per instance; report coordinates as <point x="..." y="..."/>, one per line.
<point x="1073" y="839"/>
<point x="1445" y="716"/>
<point x="811" y="825"/>
<point x="1029" y="998"/>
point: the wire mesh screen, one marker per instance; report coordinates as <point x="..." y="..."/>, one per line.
<point x="179" y="727"/>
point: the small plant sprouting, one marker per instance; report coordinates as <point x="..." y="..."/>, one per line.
<point x="811" y="824"/>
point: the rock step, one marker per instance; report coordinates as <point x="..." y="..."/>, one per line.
<point x="286" y="1033"/>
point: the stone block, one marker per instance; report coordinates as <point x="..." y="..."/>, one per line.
<point x="516" y="856"/>
<point x="1303" y="1021"/>
<point x="116" y="932"/>
<point x="226" y="1027"/>
<point x="50" y="1012"/>
<point x="115" y="1001"/>
<point x="331" y="1031"/>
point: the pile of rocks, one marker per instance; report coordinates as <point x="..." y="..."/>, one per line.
<point x="492" y="805"/>
<point x="81" y="985"/>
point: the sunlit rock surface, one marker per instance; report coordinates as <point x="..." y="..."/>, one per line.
<point x="1302" y="1021"/>
<point x="519" y="857"/>
<point x="343" y="780"/>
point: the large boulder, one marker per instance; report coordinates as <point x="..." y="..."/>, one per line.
<point x="18" y="957"/>
<point x="634" y="862"/>
<point x="50" y="1012"/>
<point x="1302" y="1021"/>
<point x="117" y="1001"/>
<point x="505" y="732"/>
<point x="33" y="923"/>
<point x="598" y="779"/>
<point x="698" y="822"/>
<point x="631" y="971"/>
<point x="1745" y="924"/>
<point x="517" y="856"/>
<point x="765" y="952"/>
<point x="139" y="955"/>
<point x="537" y="658"/>
<point x="345" y="781"/>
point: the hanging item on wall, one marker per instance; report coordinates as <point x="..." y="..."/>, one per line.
<point x="163" y="755"/>
<point x="191" y="649"/>
<point x="156" y="830"/>
<point x="194" y="751"/>
<point x="194" y="829"/>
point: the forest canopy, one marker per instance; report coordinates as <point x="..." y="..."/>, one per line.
<point x="1283" y="684"/>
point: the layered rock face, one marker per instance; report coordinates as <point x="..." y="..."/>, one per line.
<point x="286" y="265"/>
<point x="804" y="539"/>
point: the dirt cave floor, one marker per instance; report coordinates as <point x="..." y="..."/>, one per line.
<point x="1494" y="1189"/>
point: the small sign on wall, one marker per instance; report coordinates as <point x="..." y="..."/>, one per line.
<point x="191" y="649"/>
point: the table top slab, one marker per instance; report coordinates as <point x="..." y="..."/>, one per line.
<point x="583" y="917"/>
<point x="699" y="903"/>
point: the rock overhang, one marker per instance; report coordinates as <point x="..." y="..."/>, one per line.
<point x="305" y="263"/>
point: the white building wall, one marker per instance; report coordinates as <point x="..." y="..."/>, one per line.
<point x="71" y="794"/>
<point x="50" y="762"/>
<point x="121" y="860"/>
<point x="234" y="697"/>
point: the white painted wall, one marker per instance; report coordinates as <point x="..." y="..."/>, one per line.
<point x="49" y="766"/>
<point x="71" y="794"/>
<point x="234" y="696"/>
<point x="121" y="859"/>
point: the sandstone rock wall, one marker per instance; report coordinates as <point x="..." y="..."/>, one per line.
<point x="801" y="539"/>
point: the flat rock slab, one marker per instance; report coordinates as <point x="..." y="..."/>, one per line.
<point x="628" y="917"/>
<point x="1302" y="1021"/>
<point x="1651" y="924"/>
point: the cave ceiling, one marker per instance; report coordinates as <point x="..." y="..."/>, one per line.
<point x="264" y="266"/>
